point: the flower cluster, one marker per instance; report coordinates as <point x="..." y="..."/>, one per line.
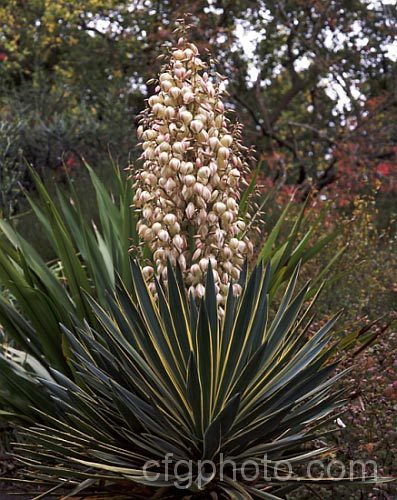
<point x="188" y="189"/>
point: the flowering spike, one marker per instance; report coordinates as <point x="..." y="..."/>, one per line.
<point x="188" y="188"/>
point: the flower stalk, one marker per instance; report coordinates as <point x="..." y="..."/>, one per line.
<point x="188" y="188"/>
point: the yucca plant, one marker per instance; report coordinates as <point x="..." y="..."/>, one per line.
<point x="89" y="258"/>
<point x="163" y="383"/>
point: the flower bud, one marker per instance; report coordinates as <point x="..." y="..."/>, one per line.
<point x="145" y="196"/>
<point x="163" y="235"/>
<point x="172" y="127"/>
<point x="227" y="218"/>
<point x="188" y="97"/>
<point x="235" y="273"/>
<point x="163" y="157"/>
<point x="200" y="291"/>
<point x="147" y="212"/>
<point x="174" y="229"/>
<point x="175" y="92"/>
<point x="219" y="121"/>
<point x="175" y="163"/>
<point x="220" y="236"/>
<point x="221" y="163"/>
<point x="212" y="218"/>
<point x="188" y="53"/>
<point x="186" y="168"/>
<point x="154" y="99"/>
<point x="180" y="73"/>
<point x="177" y="240"/>
<point x="203" y="264"/>
<point x="227" y="266"/>
<point x="194" y="48"/>
<point x="203" y="172"/>
<point x="170" y="185"/>
<point x="196" y="126"/>
<point x="215" y="194"/>
<point x="166" y="85"/>
<point x="227" y="141"/>
<point x="141" y="229"/>
<point x="235" y="173"/>
<point x="195" y="270"/>
<point x="231" y="204"/>
<point x="149" y="135"/>
<point x="182" y="262"/>
<point x="159" y="254"/>
<point x="223" y="152"/>
<point x="219" y="207"/>
<point x="161" y="138"/>
<point x="227" y="253"/>
<point x="148" y="235"/>
<point x="205" y="194"/>
<point x="178" y="54"/>
<point x="201" y="204"/>
<point x="170" y="112"/>
<point x="165" y="76"/>
<point x="216" y="275"/>
<point x="178" y="147"/>
<point x="190" y="180"/>
<point x="242" y="247"/>
<point x="158" y="109"/>
<point x="190" y="210"/>
<point x="149" y="154"/>
<point x="202" y="217"/>
<point x="220" y="106"/>
<point x="187" y="192"/>
<point x="203" y="136"/>
<point x="234" y="242"/>
<point x="186" y="116"/>
<point x="214" y="143"/>
<point x="169" y="219"/>
<point x="198" y="187"/>
<point x="196" y="254"/>
<point x="147" y="272"/>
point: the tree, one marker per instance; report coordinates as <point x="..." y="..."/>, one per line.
<point x="316" y="79"/>
<point x="324" y="79"/>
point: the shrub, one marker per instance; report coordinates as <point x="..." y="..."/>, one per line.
<point x="49" y="131"/>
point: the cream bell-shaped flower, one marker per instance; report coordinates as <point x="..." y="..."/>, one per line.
<point x="188" y="189"/>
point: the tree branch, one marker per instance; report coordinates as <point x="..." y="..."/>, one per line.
<point x="265" y="131"/>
